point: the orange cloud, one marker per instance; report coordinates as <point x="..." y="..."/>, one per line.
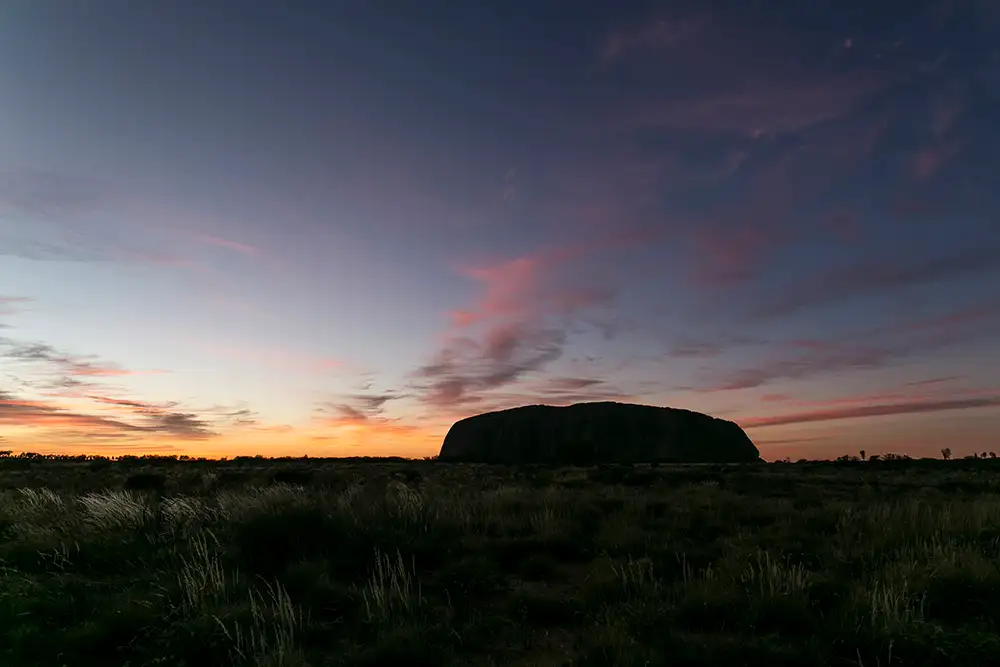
<point x="154" y="420"/>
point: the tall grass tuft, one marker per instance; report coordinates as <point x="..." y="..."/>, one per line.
<point x="266" y="638"/>
<point x="892" y="607"/>
<point x="115" y="510"/>
<point x="202" y="578"/>
<point x="773" y="578"/>
<point x="391" y="589"/>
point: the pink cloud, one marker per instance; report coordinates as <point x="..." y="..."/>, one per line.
<point x="723" y="258"/>
<point x="519" y="299"/>
<point x="859" y="411"/>
<point x="935" y="381"/>
<point x="928" y="161"/>
<point x="220" y="242"/>
<point x="523" y="287"/>
<point x="89" y="370"/>
<point x="772" y="108"/>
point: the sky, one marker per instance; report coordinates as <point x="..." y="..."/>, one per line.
<point x="334" y="228"/>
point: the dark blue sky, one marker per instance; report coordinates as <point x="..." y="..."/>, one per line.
<point x="335" y="227"/>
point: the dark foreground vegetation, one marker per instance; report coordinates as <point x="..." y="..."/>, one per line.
<point x="305" y="562"/>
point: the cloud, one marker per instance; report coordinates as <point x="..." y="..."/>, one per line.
<point x="762" y="108"/>
<point x="790" y="441"/>
<point x="935" y="381"/>
<point x="10" y="304"/>
<point x="929" y="160"/>
<point x="806" y="363"/>
<point x="243" y="417"/>
<point x="50" y="216"/>
<point x="734" y="256"/>
<point x="862" y="350"/>
<point x="687" y="347"/>
<point x="871" y="277"/>
<point x="23" y="412"/>
<point x="155" y="419"/>
<point x="518" y="325"/>
<point x="464" y="368"/>
<point x="872" y="411"/>
<point x="65" y="363"/>
<point x="361" y="407"/>
<point x="183" y="425"/>
<point x="565" y="391"/>
<point x="48" y="194"/>
<point x="651" y="36"/>
<point x="220" y="242"/>
<point x="525" y="287"/>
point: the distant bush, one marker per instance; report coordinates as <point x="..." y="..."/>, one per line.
<point x="296" y="476"/>
<point x="145" y="481"/>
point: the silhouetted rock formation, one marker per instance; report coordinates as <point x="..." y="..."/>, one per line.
<point x="590" y="433"/>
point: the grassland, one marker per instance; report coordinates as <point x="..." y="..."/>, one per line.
<point x="294" y="563"/>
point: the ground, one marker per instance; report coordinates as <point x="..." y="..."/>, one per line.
<point x="366" y="562"/>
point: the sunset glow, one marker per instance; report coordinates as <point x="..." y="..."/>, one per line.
<point x="334" y="231"/>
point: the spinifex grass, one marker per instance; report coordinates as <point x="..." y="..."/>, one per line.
<point x="325" y="563"/>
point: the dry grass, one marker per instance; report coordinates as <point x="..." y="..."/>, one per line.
<point x="421" y="563"/>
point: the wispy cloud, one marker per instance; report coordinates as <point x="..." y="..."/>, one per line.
<point x="872" y="411"/>
<point x="708" y="346"/>
<point x="877" y="277"/>
<point x="360" y="407"/>
<point x="868" y="349"/>
<point x="651" y="36"/>
<point x="736" y="256"/>
<point x="65" y="363"/>
<point x="518" y="325"/>
<point x="525" y="287"/>
<point x="935" y="381"/>
<point x="9" y="304"/>
<point x="48" y="194"/>
<point x="220" y="242"/>
<point x="789" y="106"/>
<point x="15" y="411"/>
<point x="465" y="368"/>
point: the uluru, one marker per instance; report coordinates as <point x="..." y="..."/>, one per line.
<point x="594" y="433"/>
